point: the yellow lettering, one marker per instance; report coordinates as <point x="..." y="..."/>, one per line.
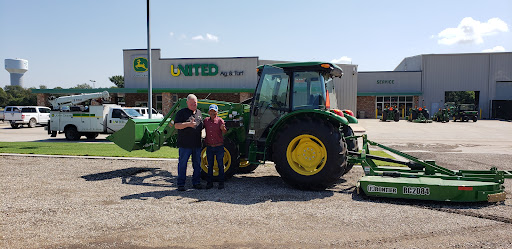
<point x="175" y="73"/>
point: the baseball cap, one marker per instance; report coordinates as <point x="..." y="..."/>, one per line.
<point x="214" y="107"/>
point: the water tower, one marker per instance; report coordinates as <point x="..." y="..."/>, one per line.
<point x="17" y="67"/>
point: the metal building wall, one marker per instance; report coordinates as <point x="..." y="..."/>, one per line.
<point x="455" y="72"/>
<point x="346" y="86"/>
<point x="233" y="73"/>
<point x="500" y="78"/>
<point x="402" y="82"/>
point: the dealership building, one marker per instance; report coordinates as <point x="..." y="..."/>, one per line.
<point x="420" y="80"/>
<point x="424" y="80"/>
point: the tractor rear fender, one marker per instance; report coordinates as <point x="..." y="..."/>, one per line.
<point x="323" y="115"/>
<point x="350" y="119"/>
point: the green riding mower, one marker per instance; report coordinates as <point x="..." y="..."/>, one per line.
<point x="419" y="115"/>
<point x="390" y="113"/>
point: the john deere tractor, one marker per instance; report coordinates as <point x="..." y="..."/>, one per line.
<point x="419" y="115"/>
<point x="292" y="121"/>
<point x="444" y="114"/>
<point x="390" y="113"/>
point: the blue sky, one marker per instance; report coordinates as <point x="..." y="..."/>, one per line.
<point x="70" y="42"/>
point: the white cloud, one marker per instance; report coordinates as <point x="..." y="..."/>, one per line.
<point x="212" y="37"/>
<point x="171" y="33"/>
<point x="342" y="60"/>
<point x="471" y="31"/>
<point x="495" y="49"/>
<point x="209" y="37"/>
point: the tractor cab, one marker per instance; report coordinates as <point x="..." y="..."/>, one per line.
<point x="290" y="87"/>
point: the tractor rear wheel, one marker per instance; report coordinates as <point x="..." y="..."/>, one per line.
<point x="352" y="145"/>
<point x="246" y="167"/>
<point x="231" y="162"/>
<point x="384" y="115"/>
<point x="310" y="154"/>
<point x="397" y="117"/>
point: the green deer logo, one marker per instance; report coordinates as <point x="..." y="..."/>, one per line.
<point x="140" y="64"/>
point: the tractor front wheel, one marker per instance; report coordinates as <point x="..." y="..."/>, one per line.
<point x="231" y="162"/>
<point x="310" y="154"/>
<point x="246" y="167"/>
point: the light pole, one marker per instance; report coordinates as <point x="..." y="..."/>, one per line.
<point x="150" y="83"/>
<point x="93" y="81"/>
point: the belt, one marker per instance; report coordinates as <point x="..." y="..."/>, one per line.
<point x="215" y="145"/>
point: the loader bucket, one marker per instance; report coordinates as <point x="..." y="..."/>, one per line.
<point x="137" y="134"/>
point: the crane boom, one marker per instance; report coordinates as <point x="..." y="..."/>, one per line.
<point x="59" y="102"/>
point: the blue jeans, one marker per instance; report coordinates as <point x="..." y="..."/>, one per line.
<point x="184" y="154"/>
<point x="218" y="152"/>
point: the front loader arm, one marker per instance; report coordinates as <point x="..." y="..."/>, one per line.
<point x="148" y="134"/>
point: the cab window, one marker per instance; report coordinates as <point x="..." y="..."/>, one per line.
<point x="308" y="90"/>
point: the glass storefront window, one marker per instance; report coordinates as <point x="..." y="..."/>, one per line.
<point x="403" y="103"/>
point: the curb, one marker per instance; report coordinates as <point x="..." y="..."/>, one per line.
<point x="93" y="157"/>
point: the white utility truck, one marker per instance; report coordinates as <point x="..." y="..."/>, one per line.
<point x="87" y="120"/>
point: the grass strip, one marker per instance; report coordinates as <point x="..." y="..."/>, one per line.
<point x="82" y="149"/>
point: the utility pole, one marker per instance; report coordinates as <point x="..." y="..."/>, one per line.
<point x="150" y="84"/>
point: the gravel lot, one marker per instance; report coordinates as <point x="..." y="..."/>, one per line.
<point x="128" y="203"/>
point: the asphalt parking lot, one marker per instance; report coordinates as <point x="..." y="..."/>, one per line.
<point x="100" y="203"/>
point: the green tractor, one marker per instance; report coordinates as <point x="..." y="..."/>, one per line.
<point x="390" y="113"/>
<point x="465" y="112"/>
<point x="444" y="114"/>
<point x="292" y="120"/>
<point x="419" y="115"/>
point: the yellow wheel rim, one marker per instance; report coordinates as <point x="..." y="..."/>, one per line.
<point x="226" y="160"/>
<point x="306" y="155"/>
<point x="244" y="163"/>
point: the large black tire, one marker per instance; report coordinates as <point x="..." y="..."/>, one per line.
<point x="414" y="115"/>
<point x="14" y="125"/>
<point x="310" y="171"/>
<point x="32" y="123"/>
<point x="425" y="114"/>
<point x="352" y="145"/>
<point x="71" y="133"/>
<point x="384" y="115"/>
<point x="397" y="117"/>
<point x="246" y="167"/>
<point x="475" y="119"/>
<point x="231" y="161"/>
<point x="91" y="135"/>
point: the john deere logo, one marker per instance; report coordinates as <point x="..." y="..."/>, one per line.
<point x="140" y="64"/>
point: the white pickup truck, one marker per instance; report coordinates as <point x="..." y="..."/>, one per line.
<point x="145" y="113"/>
<point x="90" y="121"/>
<point x="29" y="115"/>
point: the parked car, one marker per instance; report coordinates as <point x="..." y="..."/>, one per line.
<point x="29" y="115"/>
<point x="145" y="113"/>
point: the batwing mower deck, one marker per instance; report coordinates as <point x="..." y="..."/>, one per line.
<point x="424" y="180"/>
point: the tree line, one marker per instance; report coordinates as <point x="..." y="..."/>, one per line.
<point x="17" y="95"/>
